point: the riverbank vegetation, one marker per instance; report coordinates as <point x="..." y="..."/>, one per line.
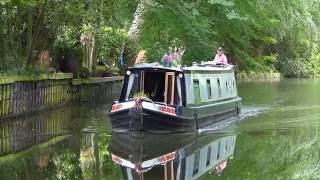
<point x="72" y="36"/>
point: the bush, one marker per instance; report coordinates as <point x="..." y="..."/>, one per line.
<point x="28" y="71"/>
<point x="314" y="65"/>
<point x="109" y="43"/>
<point x="295" y="68"/>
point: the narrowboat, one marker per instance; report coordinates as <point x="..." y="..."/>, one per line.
<point x="190" y="158"/>
<point x="158" y="99"/>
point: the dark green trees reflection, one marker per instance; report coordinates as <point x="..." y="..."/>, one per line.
<point x="274" y="154"/>
<point x="53" y="146"/>
<point x="282" y="142"/>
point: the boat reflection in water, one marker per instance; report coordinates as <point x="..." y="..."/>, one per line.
<point x="175" y="156"/>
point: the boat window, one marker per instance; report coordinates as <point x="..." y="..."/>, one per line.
<point x="218" y="153"/>
<point x="142" y="73"/>
<point x="169" y="88"/>
<point x="196" y="89"/>
<point x="196" y="162"/>
<point x="133" y="86"/>
<point x="178" y="98"/>
<point x="154" y="85"/>
<point x="227" y="88"/>
<point x="209" y="89"/>
<point x="226" y="147"/>
<point x="219" y="88"/>
<point x="164" y="87"/>
<point x="208" y="156"/>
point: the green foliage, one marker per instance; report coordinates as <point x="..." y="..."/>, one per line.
<point x="314" y="65"/>
<point x="169" y="21"/>
<point x="109" y="42"/>
<point x="28" y="27"/>
<point x="294" y="68"/>
<point x="68" y="38"/>
<point x="68" y="166"/>
<point x="300" y="67"/>
<point x="256" y="35"/>
<point x="28" y="71"/>
<point x="109" y="170"/>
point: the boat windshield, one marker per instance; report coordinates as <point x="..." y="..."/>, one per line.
<point x="133" y="86"/>
<point x="161" y="87"/>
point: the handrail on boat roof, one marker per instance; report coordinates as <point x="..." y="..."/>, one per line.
<point x="196" y="66"/>
<point x="209" y="66"/>
<point x="154" y="66"/>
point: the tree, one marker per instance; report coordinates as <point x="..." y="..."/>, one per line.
<point x="256" y="35"/>
<point x="130" y="48"/>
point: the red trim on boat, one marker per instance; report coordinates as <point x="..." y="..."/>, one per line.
<point x="116" y="107"/>
<point x="166" y="158"/>
<point x="167" y="109"/>
<point x="116" y="159"/>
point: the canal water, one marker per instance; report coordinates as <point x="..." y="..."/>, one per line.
<point x="276" y="137"/>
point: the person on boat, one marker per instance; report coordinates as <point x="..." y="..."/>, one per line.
<point x="141" y="58"/>
<point x="168" y="58"/>
<point x="220" y="58"/>
<point x="178" y="54"/>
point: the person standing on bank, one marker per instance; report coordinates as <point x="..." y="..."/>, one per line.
<point x="220" y="58"/>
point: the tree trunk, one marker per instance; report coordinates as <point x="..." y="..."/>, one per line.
<point x="34" y="28"/>
<point x="92" y="63"/>
<point x="88" y="41"/>
<point x="130" y="48"/>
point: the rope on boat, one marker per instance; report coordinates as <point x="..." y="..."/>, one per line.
<point x="148" y="99"/>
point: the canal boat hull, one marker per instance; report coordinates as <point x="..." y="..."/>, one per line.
<point x="142" y="119"/>
<point x="180" y="119"/>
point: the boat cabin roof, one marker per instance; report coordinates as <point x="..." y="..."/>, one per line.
<point x="209" y="68"/>
<point x="195" y="67"/>
<point x="154" y="66"/>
